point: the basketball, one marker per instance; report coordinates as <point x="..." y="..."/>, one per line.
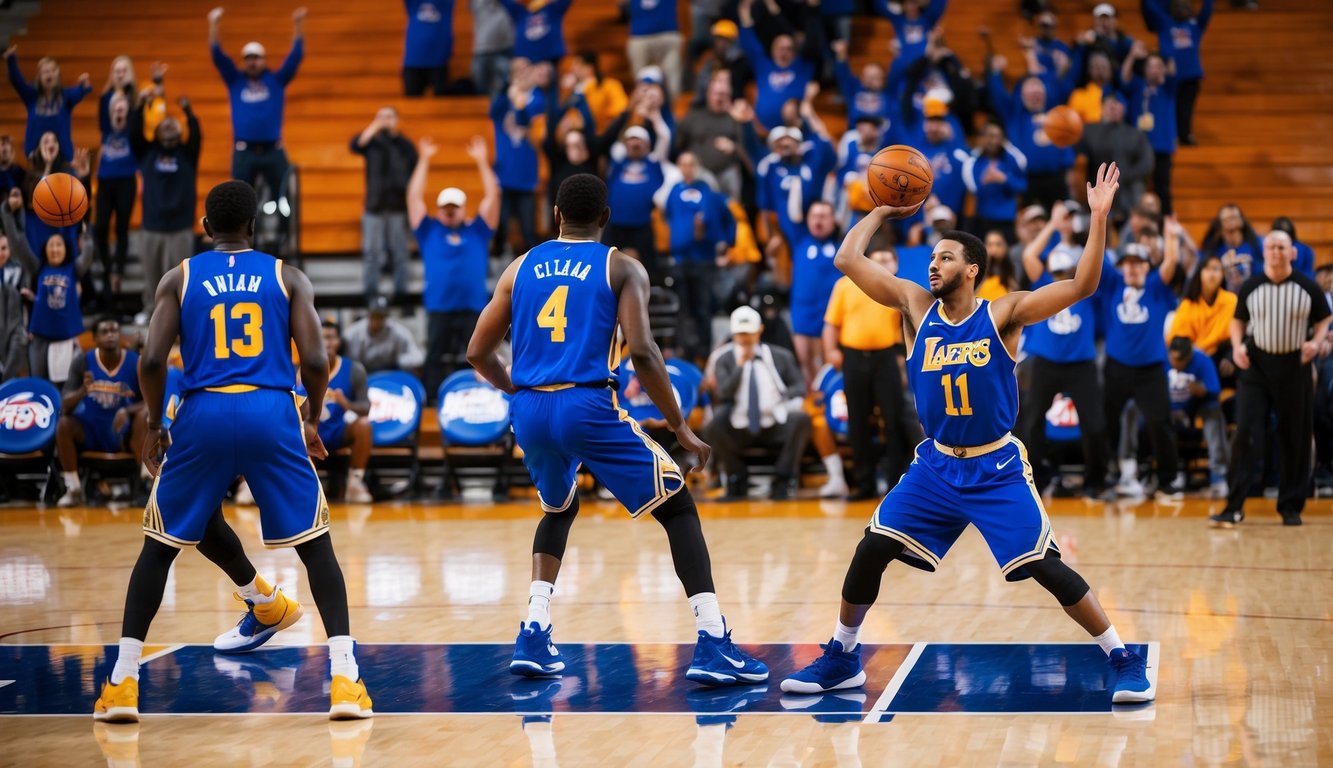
<point x="60" y="200"/>
<point x="1063" y="126"/>
<point x="899" y="176"/>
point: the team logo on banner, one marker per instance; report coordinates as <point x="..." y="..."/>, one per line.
<point x="29" y="410"/>
<point x="471" y="411"/>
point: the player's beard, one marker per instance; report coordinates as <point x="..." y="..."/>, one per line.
<point x="947" y="286"/>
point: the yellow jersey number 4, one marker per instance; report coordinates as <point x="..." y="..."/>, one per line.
<point x="252" y="343"/>
<point x="552" y="314"/>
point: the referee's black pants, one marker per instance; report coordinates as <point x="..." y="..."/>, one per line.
<point x="1284" y="385"/>
<point x="1147" y="386"/>
<point x="871" y="378"/>
<point x="1079" y="381"/>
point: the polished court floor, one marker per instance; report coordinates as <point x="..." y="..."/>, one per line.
<point x="964" y="668"/>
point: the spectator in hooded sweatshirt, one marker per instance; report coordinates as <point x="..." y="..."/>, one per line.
<point x="1152" y="107"/>
<point x="428" y="45"/>
<point x="1023" y="114"/>
<point x="1114" y="141"/>
<point x="701" y="228"/>
<point x="781" y="73"/>
<point x="1179" y="34"/>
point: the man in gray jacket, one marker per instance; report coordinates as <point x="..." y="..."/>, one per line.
<point x="1115" y="141"/>
<point x="758" y="394"/>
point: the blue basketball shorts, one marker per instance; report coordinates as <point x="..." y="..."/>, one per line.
<point x="99" y="436"/>
<point x="580" y="425"/>
<point x="216" y="437"/>
<point x="941" y="494"/>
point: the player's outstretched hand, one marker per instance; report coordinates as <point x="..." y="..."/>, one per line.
<point x="698" y="449"/>
<point x="155" y="449"/>
<point x="898" y="211"/>
<point x="1101" y="195"/>
<point x="313" y="445"/>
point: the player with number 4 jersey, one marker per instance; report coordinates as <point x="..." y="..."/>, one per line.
<point x="563" y="302"/>
<point x="969" y="470"/>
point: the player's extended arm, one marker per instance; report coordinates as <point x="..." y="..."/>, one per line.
<point x="1026" y="308"/>
<point x="877" y="282"/>
<point x="163" y="329"/>
<point x="416" y="186"/>
<point x="632" y="280"/>
<point x="483" y="351"/>
<point x="305" y="329"/>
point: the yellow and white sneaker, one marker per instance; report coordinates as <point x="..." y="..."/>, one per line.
<point x="261" y="622"/>
<point x="118" y="703"/>
<point x="350" y="701"/>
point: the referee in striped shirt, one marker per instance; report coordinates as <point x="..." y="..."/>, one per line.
<point x="1281" y="324"/>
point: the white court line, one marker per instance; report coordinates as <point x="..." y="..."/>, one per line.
<point x="3" y="683"/>
<point x="899" y="677"/>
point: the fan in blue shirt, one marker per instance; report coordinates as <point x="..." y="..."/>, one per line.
<point x="49" y="105"/>
<point x="1152" y="107"/>
<point x="868" y="95"/>
<point x="781" y="74"/>
<point x="996" y="174"/>
<point x="912" y="22"/>
<point x="1024" y="113"/>
<point x="790" y="178"/>
<point x="1179" y="34"/>
<point x="539" y="28"/>
<point x="428" y="45"/>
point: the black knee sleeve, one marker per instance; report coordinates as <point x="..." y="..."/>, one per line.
<point x="147" y="582"/>
<point x="553" y="531"/>
<point x="326" y="584"/>
<point x="873" y="555"/>
<point x="685" y="534"/>
<point x="223" y="548"/>
<point x="1058" y="579"/>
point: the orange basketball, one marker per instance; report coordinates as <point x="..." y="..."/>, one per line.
<point x="1063" y="126"/>
<point x="60" y="200"/>
<point x="899" y="176"/>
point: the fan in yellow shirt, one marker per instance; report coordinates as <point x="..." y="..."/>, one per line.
<point x="1205" y="312"/>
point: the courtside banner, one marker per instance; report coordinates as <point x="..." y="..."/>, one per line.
<point x="29" y="410"/>
<point x="471" y="411"/>
<point x="396" y="398"/>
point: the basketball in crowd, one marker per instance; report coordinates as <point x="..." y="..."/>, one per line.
<point x="899" y="175"/>
<point x="60" y="200"/>
<point x="1063" y="126"/>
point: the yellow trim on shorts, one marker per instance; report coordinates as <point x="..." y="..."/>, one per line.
<point x="569" y="499"/>
<point x="319" y="524"/>
<point x="930" y="560"/>
<point x="553" y="387"/>
<point x="970" y="452"/>
<point x="232" y="389"/>
<point x="1046" y="539"/>
<point x="153" y="525"/>
<point x="664" y="467"/>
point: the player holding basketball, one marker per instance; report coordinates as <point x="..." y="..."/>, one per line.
<point x="237" y="312"/>
<point x="970" y="469"/>
<point x="564" y="300"/>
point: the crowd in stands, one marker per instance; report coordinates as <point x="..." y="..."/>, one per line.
<point x="729" y="186"/>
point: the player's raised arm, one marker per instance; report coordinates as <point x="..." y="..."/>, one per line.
<point x="483" y="350"/>
<point x="649" y="366"/>
<point x="1026" y="308"/>
<point x="877" y="282"/>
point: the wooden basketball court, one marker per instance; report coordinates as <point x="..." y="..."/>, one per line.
<point x="964" y="668"/>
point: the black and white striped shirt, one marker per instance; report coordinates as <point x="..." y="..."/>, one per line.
<point x="1279" y="315"/>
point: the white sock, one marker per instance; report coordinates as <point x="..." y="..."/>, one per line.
<point x="539" y="603"/>
<point x="1129" y="469"/>
<point x="707" y="614"/>
<point x="342" y="660"/>
<point x="254" y="591"/>
<point x="1109" y="640"/>
<point x="358" y="475"/>
<point x="71" y="480"/>
<point x="833" y="466"/>
<point x="847" y="636"/>
<point x="127" y="661"/>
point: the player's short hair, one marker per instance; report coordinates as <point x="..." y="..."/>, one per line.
<point x="328" y="322"/>
<point x="97" y="324"/>
<point x="974" y="251"/>
<point x="230" y="206"/>
<point x="581" y="199"/>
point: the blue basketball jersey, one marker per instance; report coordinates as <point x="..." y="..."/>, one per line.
<point x="963" y="378"/>
<point x="112" y="388"/>
<point x="234" y="325"/>
<point x="340" y="377"/>
<point x="564" y="315"/>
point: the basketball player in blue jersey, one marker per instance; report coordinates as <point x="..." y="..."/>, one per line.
<point x="563" y="301"/>
<point x="237" y="313"/>
<point x="970" y="469"/>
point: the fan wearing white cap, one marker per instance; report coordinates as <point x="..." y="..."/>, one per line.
<point x="455" y="255"/>
<point x="637" y="171"/>
<point x="1105" y="36"/>
<point x="790" y="178"/>
<point x="257" y="96"/>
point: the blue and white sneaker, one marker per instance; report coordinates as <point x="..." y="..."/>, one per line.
<point x="534" y="653"/>
<point x="260" y="623"/>
<point x="717" y="661"/>
<point x="1131" y="678"/>
<point x="835" y="670"/>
